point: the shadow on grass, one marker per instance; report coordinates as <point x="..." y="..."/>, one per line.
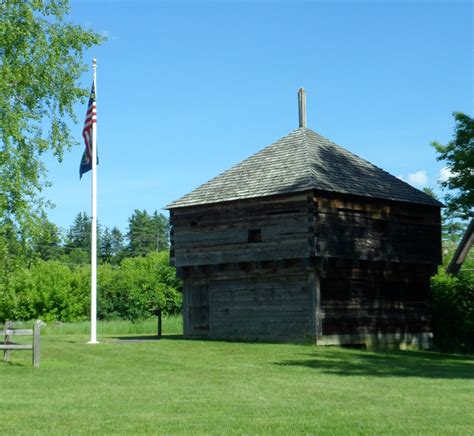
<point x="388" y="364"/>
<point x="180" y="337"/>
<point x="147" y="338"/>
<point x="15" y="364"/>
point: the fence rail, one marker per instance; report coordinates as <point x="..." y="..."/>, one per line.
<point x="8" y="346"/>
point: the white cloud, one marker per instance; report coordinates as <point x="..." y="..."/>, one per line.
<point x="444" y="174"/>
<point x="419" y="179"/>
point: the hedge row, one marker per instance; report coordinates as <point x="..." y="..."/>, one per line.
<point x="453" y="311"/>
<point x="52" y="291"/>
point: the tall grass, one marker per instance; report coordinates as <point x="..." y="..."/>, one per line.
<point x="171" y="325"/>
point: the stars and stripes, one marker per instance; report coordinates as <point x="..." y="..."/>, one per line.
<point x="91" y="119"/>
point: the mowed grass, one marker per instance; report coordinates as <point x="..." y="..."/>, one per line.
<point x="133" y="384"/>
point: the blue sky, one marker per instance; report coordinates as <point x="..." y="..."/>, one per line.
<point x="186" y="89"/>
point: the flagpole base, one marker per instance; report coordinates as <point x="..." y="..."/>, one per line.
<point x="93" y="342"/>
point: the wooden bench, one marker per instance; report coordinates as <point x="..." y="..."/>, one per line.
<point x="9" y="346"/>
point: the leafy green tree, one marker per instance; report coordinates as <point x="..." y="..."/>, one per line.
<point x="22" y="247"/>
<point x="459" y="157"/>
<point x="47" y="240"/>
<point x="139" y="286"/>
<point x="453" y="297"/>
<point x="452" y="227"/>
<point x="147" y="233"/>
<point x="14" y="251"/>
<point x="48" y="291"/>
<point x="51" y="290"/>
<point x="40" y="65"/>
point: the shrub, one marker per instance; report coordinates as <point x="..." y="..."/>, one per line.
<point x="453" y="311"/>
<point x="50" y="290"/>
<point x="139" y="286"/>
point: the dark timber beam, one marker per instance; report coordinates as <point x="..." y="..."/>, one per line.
<point x="462" y="251"/>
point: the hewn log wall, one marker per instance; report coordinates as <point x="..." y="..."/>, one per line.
<point x="268" y="304"/>
<point x="375" y="230"/>
<point x="304" y="225"/>
<point x="219" y="234"/>
<point x="304" y="266"/>
<point x="375" y="298"/>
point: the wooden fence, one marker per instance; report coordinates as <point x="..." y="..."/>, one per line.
<point x="9" y="346"/>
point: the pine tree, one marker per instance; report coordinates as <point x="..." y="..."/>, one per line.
<point x="147" y="233"/>
<point x="79" y="234"/>
<point x="117" y="245"/>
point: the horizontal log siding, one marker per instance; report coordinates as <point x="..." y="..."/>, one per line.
<point x="374" y="259"/>
<point x="377" y="231"/>
<point x="272" y="307"/>
<point x="219" y="234"/>
<point x="369" y="318"/>
<point x="375" y="299"/>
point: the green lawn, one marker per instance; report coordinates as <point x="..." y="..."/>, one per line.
<point x="179" y="386"/>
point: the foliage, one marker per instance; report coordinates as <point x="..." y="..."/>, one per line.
<point x="14" y="251"/>
<point x="453" y="311"/>
<point x="147" y="233"/>
<point x="430" y="192"/>
<point x="76" y="257"/>
<point x="47" y="240"/>
<point x="105" y="246"/>
<point x="128" y="287"/>
<point x="79" y="234"/>
<point x="50" y="290"/>
<point x="111" y="246"/>
<point x="47" y="291"/>
<point x="452" y="226"/>
<point x="77" y="245"/>
<point x="40" y="65"/>
<point x="459" y="156"/>
<point x="139" y="286"/>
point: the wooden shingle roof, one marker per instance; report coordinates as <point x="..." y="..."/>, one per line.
<point x="303" y="161"/>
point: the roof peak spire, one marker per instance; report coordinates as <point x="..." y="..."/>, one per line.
<point x="302" y="107"/>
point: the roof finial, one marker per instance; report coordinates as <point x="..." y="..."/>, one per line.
<point x="302" y="106"/>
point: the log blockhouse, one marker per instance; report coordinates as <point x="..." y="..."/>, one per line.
<point x="304" y="241"/>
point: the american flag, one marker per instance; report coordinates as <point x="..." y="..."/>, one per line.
<point x="91" y="119"/>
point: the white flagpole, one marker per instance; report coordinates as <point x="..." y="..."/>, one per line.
<point x="94" y="223"/>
